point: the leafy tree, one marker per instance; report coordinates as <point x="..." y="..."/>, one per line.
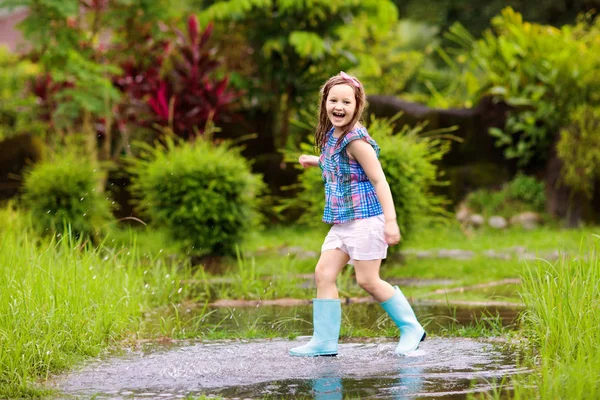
<point x="548" y="77"/>
<point x="543" y="72"/>
<point x="293" y="46"/>
<point x="475" y="15"/>
<point x="390" y="64"/>
<point x="14" y="99"/>
<point x="65" y="49"/>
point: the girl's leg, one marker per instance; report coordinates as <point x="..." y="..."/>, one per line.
<point x="327" y="309"/>
<point x="328" y="268"/>
<point x="367" y="277"/>
<point x="393" y="302"/>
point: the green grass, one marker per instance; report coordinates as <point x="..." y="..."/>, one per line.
<point x="476" y="270"/>
<point x="62" y="301"/>
<point x="563" y="324"/>
<point x="547" y="237"/>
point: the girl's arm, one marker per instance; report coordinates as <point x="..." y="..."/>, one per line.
<point x="308" y="161"/>
<point x="364" y="153"/>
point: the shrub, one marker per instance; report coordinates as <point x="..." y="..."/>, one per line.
<point x="579" y="148"/>
<point x="523" y="193"/>
<point x="64" y="192"/>
<point x="409" y="162"/>
<point x="528" y="190"/>
<point x="204" y="194"/>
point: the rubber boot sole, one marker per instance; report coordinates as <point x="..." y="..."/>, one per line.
<point x="314" y="355"/>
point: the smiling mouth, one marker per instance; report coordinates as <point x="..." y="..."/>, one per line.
<point x="339" y="115"/>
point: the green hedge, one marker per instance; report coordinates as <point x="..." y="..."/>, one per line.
<point x="65" y="193"/>
<point x="204" y="194"/>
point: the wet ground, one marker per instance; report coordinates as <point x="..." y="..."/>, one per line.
<point x="448" y="368"/>
<point x="441" y="368"/>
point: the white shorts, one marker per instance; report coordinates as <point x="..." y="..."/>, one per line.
<point x="361" y="239"/>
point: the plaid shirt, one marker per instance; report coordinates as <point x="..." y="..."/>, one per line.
<point x="349" y="194"/>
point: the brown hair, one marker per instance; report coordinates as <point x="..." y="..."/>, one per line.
<point x="324" y="123"/>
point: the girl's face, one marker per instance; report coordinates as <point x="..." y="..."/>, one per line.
<point x="340" y="105"/>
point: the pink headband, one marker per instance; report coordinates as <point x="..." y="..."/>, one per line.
<point x="348" y="78"/>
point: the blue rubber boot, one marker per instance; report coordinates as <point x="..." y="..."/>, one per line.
<point x="411" y="332"/>
<point x="327" y="318"/>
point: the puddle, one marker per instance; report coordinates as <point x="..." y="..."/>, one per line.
<point x="283" y="320"/>
<point x="441" y="368"/>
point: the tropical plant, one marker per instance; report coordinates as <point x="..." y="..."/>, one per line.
<point x="188" y="98"/>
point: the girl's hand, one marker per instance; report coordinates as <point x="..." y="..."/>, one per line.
<point x="308" y="161"/>
<point x="391" y="232"/>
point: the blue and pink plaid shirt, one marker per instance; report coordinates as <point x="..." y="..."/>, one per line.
<point x="349" y="194"/>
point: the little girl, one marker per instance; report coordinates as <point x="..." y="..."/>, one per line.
<point x="358" y="202"/>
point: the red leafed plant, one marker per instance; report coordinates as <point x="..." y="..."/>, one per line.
<point x="188" y="97"/>
<point x="44" y="88"/>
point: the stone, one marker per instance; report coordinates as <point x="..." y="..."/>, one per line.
<point x="527" y="220"/>
<point x="497" y="222"/>
<point x="456" y="254"/>
<point x="497" y="254"/>
<point x="463" y="213"/>
<point x="476" y="220"/>
<point x="298" y="252"/>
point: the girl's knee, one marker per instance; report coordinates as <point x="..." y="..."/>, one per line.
<point x="324" y="275"/>
<point x="368" y="284"/>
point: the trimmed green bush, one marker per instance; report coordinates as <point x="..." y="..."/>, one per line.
<point x="204" y="194"/>
<point x="63" y="193"/>
<point x="409" y="162"/>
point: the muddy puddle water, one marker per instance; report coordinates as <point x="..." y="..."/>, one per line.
<point x="448" y="368"/>
<point x="441" y="368"/>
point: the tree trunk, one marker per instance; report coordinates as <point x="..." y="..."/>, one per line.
<point x="561" y="201"/>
